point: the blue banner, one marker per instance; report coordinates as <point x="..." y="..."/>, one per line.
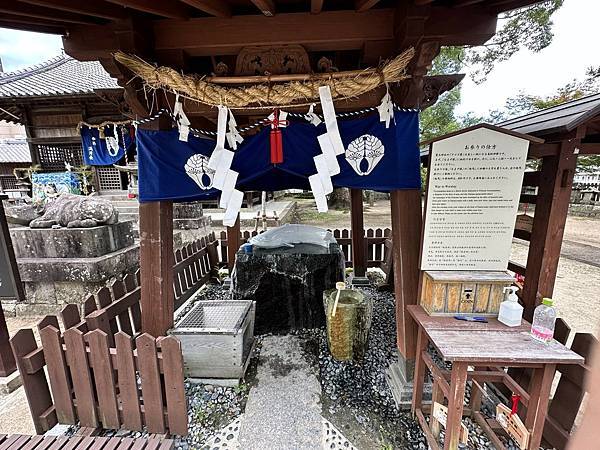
<point x="106" y="149"/>
<point x="376" y="158"/>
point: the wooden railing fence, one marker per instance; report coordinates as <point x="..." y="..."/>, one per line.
<point x="195" y="264"/>
<point x="378" y="245"/>
<point x="135" y="383"/>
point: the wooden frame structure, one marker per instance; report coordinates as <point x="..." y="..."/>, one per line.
<point x="208" y="37"/>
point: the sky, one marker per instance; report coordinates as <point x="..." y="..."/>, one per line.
<point x="573" y="49"/>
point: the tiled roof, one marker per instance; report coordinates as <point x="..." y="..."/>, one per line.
<point x="560" y="118"/>
<point x="61" y="75"/>
<point x="14" y="151"/>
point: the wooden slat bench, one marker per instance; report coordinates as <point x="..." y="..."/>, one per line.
<point x="40" y="442"/>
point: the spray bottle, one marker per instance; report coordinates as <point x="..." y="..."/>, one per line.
<point x="511" y="312"/>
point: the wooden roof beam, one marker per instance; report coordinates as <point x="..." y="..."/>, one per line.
<point x="217" y="8"/>
<point x="463" y="3"/>
<point x="47" y="14"/>
<point x="93" y="8"/>
<point x="267" y="7"/>
<point x="330" y="30"/>
<point x="364" y="5"/>
<point x="31" y="24"/>
<point x="316" y="6"/>
<point x="171" y="9"/>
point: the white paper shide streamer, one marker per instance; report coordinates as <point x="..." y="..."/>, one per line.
<point x="183" y="123"/>
<point x="220" y="161"/>
<point x="331" y="145"/>
<point x="386" y="109"/>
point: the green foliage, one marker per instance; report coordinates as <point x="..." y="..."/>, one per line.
<point x="529" y="27"/>
<point x="524" y="103"/>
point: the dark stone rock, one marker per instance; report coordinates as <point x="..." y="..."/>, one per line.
<point x="77" y="211"/>
<point x="288" y="285"/>
<point x="71" y="243"/>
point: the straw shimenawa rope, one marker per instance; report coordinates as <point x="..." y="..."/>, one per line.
<point x="268" y="94"/>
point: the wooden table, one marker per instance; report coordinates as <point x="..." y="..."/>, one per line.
<point x="40" y="442"/>
<point x="489" y="348"/>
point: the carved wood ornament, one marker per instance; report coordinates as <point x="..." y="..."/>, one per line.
<point x="272" y="60"/>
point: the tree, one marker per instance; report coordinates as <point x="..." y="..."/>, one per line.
<point x="529" y="27"/>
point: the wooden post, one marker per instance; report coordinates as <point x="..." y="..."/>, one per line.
<point x="551" y="209"/>
<point x="406" y="237"/>
<point x="233" y="243"/>
<point x="156" y="262"/>
<point x="359" y="253"/>
<point x="9" y="276"/>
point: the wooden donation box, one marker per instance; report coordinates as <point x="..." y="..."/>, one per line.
<point x="448" y="292"/>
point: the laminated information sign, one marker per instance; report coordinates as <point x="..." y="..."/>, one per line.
<point x="473" y="193"/>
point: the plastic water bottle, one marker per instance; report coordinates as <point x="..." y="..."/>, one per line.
<point x="544" y="318"/>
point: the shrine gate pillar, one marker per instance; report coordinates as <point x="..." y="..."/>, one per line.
<point x="156" y="263"/>
<point x="233" y="243"/>
<point x="359" y="249"/>
<point x="407" y="217"/>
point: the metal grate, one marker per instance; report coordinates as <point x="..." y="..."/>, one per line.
<point x="8" y="182"/>
<point x="109" y="178"/>
<point x="218" y="316"/>
<point x="54" y="156"/>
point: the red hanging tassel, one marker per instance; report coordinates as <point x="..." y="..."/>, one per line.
<point x="276" y="146"/>
<point x="515" y="404"/>
<point x="276" y="138"/>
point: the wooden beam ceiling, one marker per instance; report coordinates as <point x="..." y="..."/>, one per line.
<point x="31" y="24"/>
<point x="91" y="8"/>
<point x="217" y="8"/>
<point x="267" y="7"/>
<point x="364" y="5"/>
<point x="330" y="30"/>
<point x="316" y="6"/>
<point x="20" y="9"/>
<point x="171" y="9"/>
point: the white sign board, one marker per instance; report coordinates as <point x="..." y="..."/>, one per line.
<point x="473" y="195"/>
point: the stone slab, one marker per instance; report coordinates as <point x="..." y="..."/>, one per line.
<point x="83" y="270"/>
<point x="192" y="224"/>
<point x="187" y="210"/>
<point x="71" y="242"/>
<point x="10" y="383"/>
<point x="283" y="409"/>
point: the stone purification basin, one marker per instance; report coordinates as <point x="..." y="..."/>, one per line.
<point x="287" y="282"/>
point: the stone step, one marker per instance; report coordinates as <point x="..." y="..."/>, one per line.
<point x="125" y="203"/>
<point x="128" y="209"/>
<point x="129" y="216"/>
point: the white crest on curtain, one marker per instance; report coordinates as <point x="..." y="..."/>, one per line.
<point x="112" y="143"/>
<point x="197" y="169"/>
<point x="364" y="153"/>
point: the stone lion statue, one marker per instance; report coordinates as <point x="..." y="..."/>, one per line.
<point x="76" y="211"/>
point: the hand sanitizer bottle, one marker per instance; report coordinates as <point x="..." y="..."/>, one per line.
<point x="544" y="318"/>
<point x="511" y="311"/>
